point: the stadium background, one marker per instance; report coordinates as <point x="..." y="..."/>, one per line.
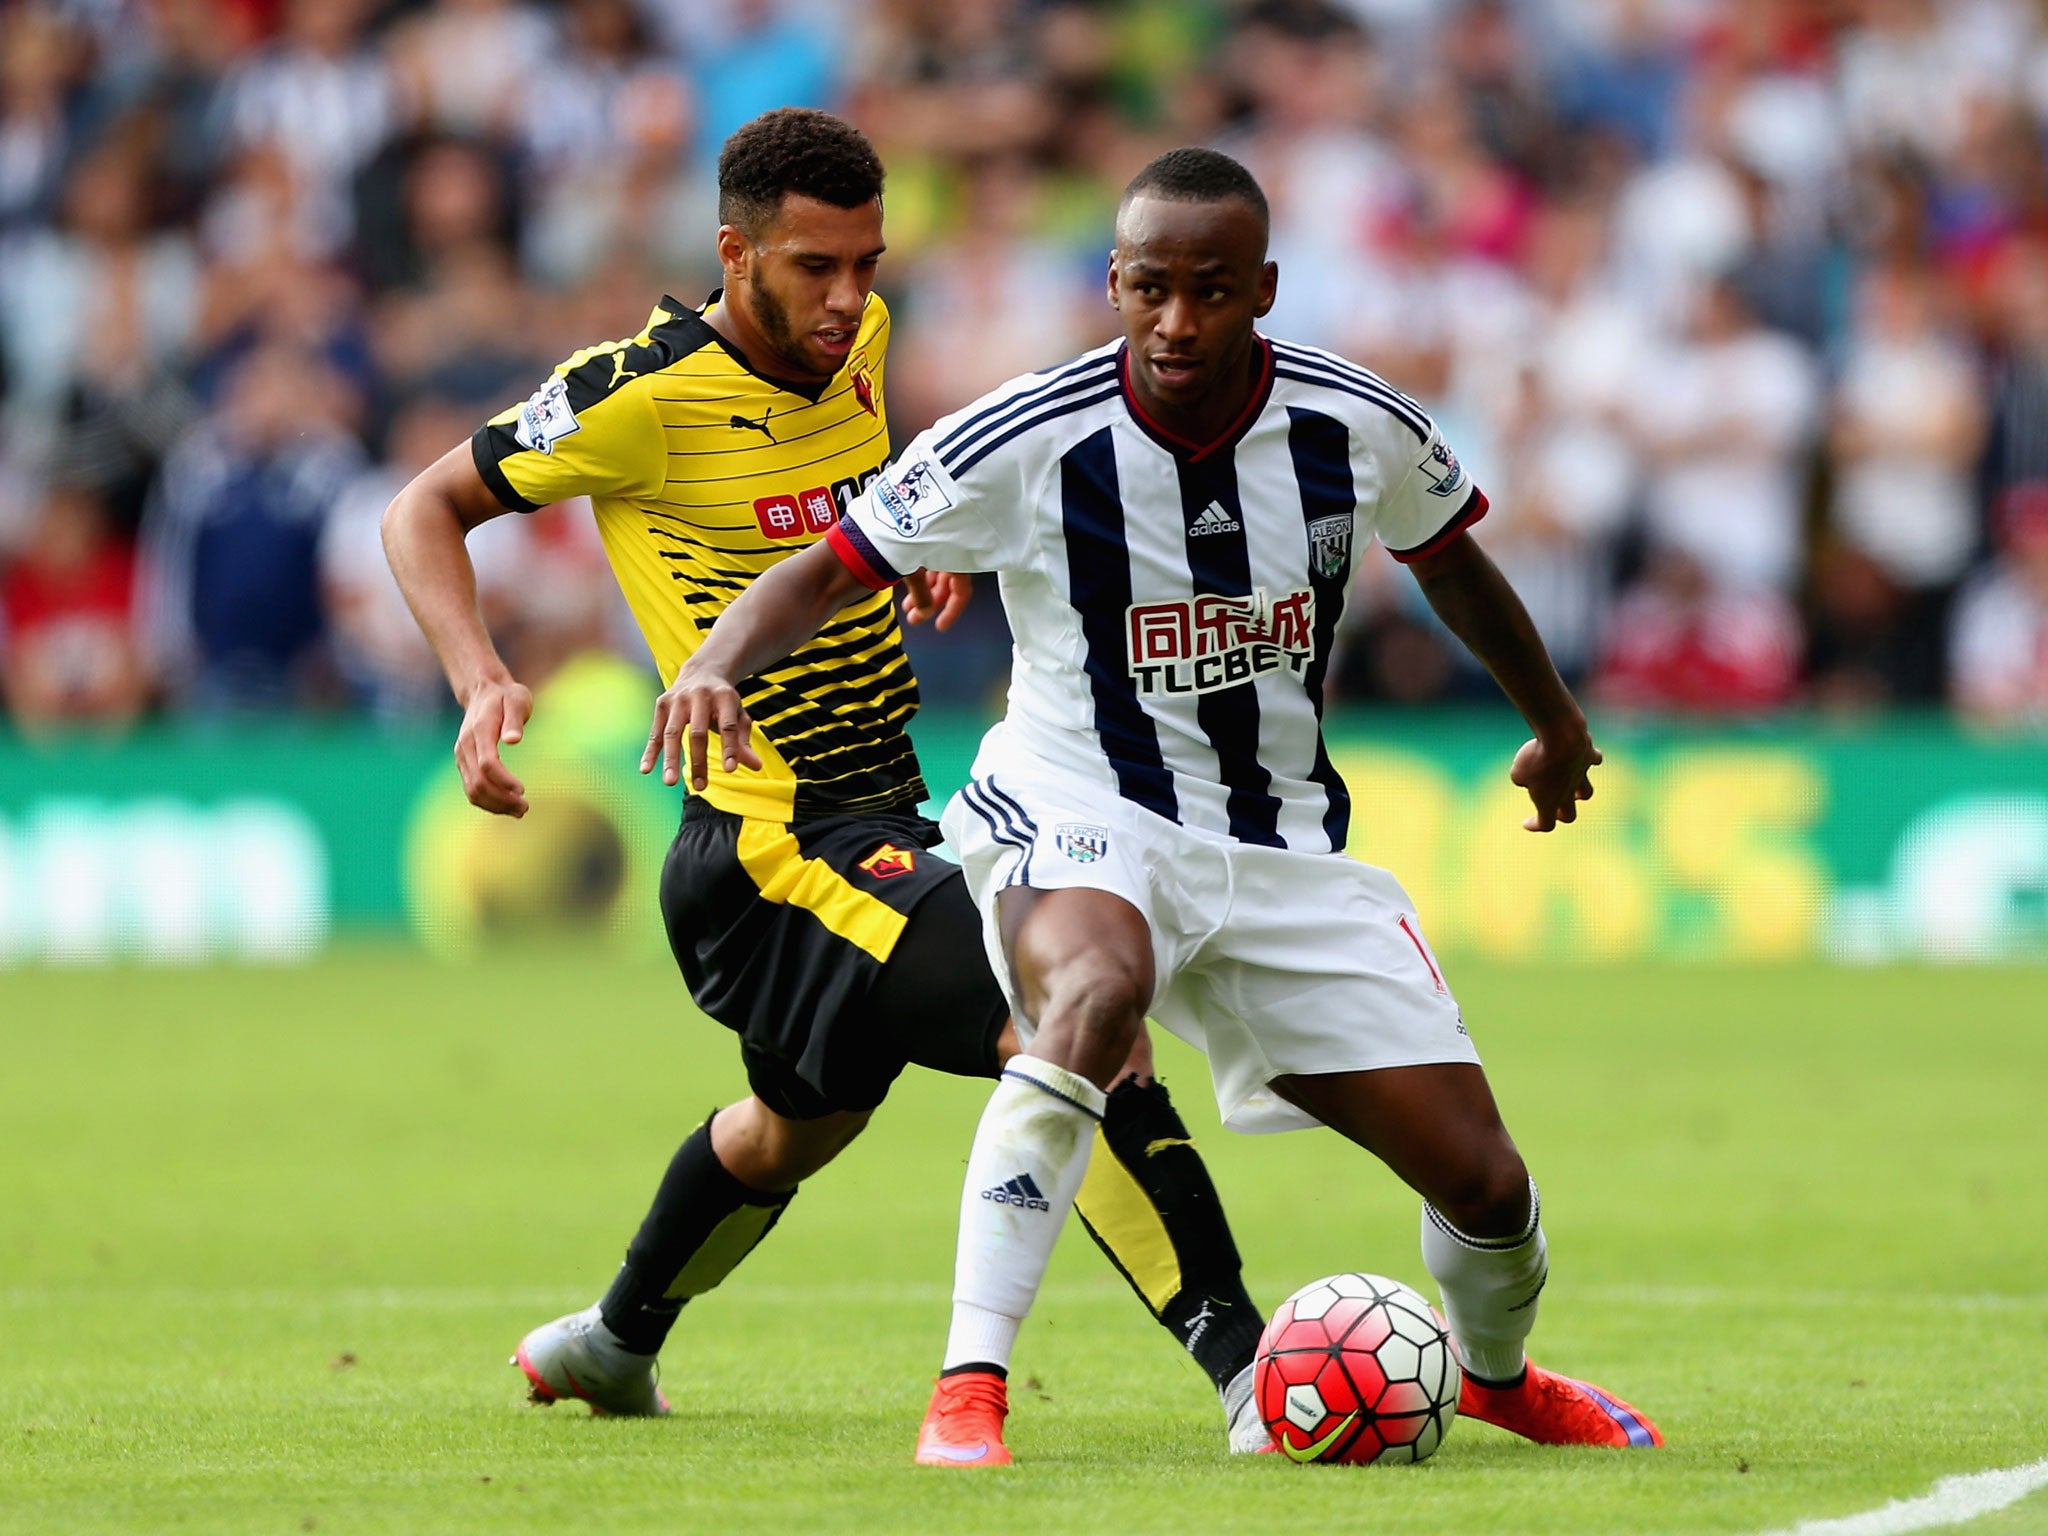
<point x="1737" y="308"/>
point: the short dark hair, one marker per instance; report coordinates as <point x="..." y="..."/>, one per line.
<point x="794" y="149"/>
<point x="1195" y="175"/>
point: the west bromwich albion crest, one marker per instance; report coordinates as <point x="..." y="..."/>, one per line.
<point x="1080" y="842"/>
<point x="1329" y="545"/>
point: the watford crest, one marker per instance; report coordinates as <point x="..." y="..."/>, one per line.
<point x="888" y="861"/>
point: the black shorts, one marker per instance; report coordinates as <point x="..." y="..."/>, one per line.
<point x="839" y="950"/>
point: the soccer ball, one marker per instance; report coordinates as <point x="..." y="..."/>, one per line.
<point x="1356" y="1368"/>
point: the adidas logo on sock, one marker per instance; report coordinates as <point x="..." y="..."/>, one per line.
<point x="1214" y="519"/>
<point x="1020" y="1192"/>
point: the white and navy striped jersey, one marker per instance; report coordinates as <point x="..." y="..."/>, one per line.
<point x="1172" y="602"/>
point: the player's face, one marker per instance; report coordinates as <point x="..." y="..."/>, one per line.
<point x="1189" y="280"/>
<point x="805" y="281"/>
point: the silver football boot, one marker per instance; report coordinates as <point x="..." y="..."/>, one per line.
<point x="578" y="1357"/>
<point x="1248" y="1432"/>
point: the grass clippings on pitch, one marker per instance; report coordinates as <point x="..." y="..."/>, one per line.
<point x="267" y="1239"/>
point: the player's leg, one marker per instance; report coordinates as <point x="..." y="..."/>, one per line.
<point x="1081" y="966"/>
<point x="1147" y="1199"/>
<point x="1327" y="980"/>
<point x="723" y="1191"/>
<point x="1149" y="1203"/>
<point x="726" y="1187"/>
<point x="790" y="985"/>
<point x="1437" y="1127"/>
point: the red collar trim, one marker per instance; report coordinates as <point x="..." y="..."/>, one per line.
<point x="1194" y="452"/>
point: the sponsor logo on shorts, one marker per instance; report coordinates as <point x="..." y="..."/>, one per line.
<point x="1022" y="1192"/>
<point x="1080" y="842"/>
<point x="888" y="861"/>
<point x="1200" y="644"/>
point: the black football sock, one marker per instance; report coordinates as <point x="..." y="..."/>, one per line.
<point x="1150" y="1205"/>
<point x="702" y="1223"/>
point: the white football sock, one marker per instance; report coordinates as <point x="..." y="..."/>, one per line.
<point x="1489" y="1286"/>
<point x="1030" y="1152"/>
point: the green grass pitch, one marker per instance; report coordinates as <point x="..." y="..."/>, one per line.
<point x="267" y="1239"/>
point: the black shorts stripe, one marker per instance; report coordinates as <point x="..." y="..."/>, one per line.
<point x="1007" y="823"/>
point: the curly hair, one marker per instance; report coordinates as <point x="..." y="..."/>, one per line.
<point x="794" y="149"/>
<point x="1192" y="175"/>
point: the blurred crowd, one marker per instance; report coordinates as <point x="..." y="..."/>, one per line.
<point x="1738" y="309"/>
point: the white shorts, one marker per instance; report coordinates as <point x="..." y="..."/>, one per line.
<point x="1269" y="961"/>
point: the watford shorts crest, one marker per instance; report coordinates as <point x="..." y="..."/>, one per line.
<point x="833" y="947"/>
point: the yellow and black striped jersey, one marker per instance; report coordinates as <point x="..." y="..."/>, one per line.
<point x="703" y="474"/>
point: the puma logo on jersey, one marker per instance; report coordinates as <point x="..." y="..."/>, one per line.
<point x="751" y="425"/>
<point x="620" y="372"/>
<point x="1214" y="519"/>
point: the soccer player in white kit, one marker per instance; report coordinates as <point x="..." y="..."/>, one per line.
<point x="1155" y="826"/>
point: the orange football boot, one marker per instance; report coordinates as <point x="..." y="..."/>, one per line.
<point x="964" y="1425"/>
<point x="1556" y="1410"/>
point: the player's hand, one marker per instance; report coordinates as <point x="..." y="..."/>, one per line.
<point x="495" y="716"/>
<point x="941" y="593"/>
<point x="695" y="706"/>
<point x="1555" y="772"/>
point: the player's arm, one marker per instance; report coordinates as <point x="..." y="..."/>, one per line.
<point x="424" y="531"/>
<point x="1471" y="596"/>
<point x="785" y="606"/>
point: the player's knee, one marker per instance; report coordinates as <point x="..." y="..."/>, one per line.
<point x="1487" y="1196"/>
<point x="1104" y="998"/>
<point x="810" y="1144"/>
<point x="767" y="1152"/>
<point x="1092" y="1008"/>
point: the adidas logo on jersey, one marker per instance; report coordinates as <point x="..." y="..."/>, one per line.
<point x="1021" y="1192"/>
<point x="1214" y="519"/>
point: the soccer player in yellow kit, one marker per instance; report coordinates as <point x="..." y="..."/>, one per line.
<point x="802" y="900"/>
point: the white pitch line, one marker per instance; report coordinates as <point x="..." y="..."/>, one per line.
<point x="1809" y="1297"/>
<point x="1952" y="1501"/>
<point x="400" y="1298"/>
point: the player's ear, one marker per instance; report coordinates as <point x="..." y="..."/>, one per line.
<point x="1114" y="297"/>
<point x="733" y="246"/>
<point x="1268" y="289"/>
